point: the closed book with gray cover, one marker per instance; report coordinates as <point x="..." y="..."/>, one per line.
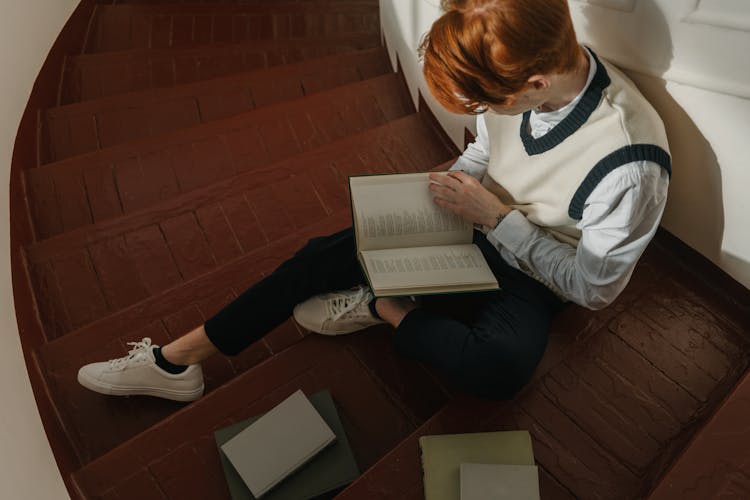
<point x="329" y="470"/>
<point x="499" y="482"/>
<point x="278" y="443"/>
<point x="442" y="456"/>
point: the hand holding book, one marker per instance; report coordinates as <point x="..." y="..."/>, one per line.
<point x="465" y="196"/>
<point x="408" y="245"/>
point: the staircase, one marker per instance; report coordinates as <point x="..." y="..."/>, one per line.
<point x="194" y="147"/>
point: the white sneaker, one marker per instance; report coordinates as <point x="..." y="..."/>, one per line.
<point x="137" y="374"/>
<point x="337" y="313"/>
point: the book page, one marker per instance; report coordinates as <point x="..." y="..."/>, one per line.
<point x="393" y="211"/>
<point x="427" y="267"/>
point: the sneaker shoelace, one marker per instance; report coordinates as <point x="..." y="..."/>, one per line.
<point x="345" y="303"/>
<point x="139" y="347"/>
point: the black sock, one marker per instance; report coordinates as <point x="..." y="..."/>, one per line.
<point x="374" y="311"/>
<point x="165" y="365"/>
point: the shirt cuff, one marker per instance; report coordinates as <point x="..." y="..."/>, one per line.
<point x="471" y="167"/>
<point x="512" y="232"/>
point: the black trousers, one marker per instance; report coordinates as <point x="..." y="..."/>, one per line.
<point x="488" y="343"/>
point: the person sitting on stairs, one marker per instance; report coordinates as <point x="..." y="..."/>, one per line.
<point x="566" y="184"/>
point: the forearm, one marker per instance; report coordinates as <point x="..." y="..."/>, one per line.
<point x="476" y="157"/>
<point x="472" y="167"/>
<point x="620" y="218"/>
<point x="558" y="263"/>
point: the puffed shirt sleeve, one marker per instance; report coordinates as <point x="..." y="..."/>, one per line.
<point x="476" y="156"/>
<point x="619" y="219"/>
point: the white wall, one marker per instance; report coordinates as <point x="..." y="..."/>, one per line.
<point x="688" y="58"/>
<point x="403" y="23"/>
<point x="27" y="469"/>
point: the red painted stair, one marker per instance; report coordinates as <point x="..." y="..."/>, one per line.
<point x="90" y="76"/>
<point x="123" y="179"/>
<point x="162" y="26"/>
<point x="86" y="126"/>
<point x="192" y="147"/>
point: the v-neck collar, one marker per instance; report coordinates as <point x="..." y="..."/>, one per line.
<point x="575" y="120"/>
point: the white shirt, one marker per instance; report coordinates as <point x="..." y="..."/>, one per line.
<point x="620" y="217"/>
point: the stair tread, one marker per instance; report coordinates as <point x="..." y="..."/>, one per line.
<point x="148" y="2"/>
<point x="648" y="393"/>
<point x="162" y="317"/>
<point x="614" y="399"/>
<point x="609" y="405"/>
<point x="178" y="454"/>
<point x="128" y="177"/>
<point x="192" y="7"/>
<point x="189" y="7"/>
<point x="717" y="452"/>
<point x="143" y="242"/>
<point x="166" y="109"/>
<point x="123" y="27"/>
<point x="91" y="76"/>
<point x="184" y="305"/>
<point x="399" y="473"/>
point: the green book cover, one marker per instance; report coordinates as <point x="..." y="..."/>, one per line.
<point x="332" y="468"/>
<point x="442" y="456"/>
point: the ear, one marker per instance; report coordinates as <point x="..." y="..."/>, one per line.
<point x="539" y="82"/>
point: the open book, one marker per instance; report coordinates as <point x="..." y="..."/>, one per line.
<point x="407" y="245"/>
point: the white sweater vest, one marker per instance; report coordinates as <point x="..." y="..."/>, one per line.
<point x="549" y="179"/>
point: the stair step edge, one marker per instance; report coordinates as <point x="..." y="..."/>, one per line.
<point x="289" y="365"/>
<point x="90" y="76"/>
<point x="128" y="55"/>
<point x="198" y="98"/>
<point x="185" y="89"/>
<point x="378" y="100"/>
<point x="65" y="245"/>
<point x="97" y="231"/>
<point x="208" y="129"/>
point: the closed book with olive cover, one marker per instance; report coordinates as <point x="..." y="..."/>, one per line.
<point x="278" y="443"/>
<point x="331" y="469"/>
<point x="442" y="456"/>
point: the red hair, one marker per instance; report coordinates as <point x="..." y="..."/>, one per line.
<point x="481" y="52"/>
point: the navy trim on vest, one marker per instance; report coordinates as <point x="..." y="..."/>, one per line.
<point x="575" y="120"/>
<point x="623" y="156"/>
